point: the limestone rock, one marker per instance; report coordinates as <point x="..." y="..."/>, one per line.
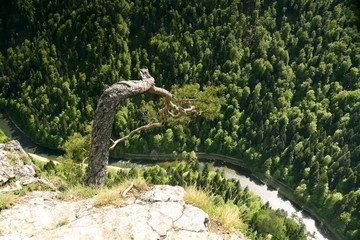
<point x="159" y="213"/>
<point x="14" y="237"/>
<point x="15" y="163"/>
<point x="164" y="193"/>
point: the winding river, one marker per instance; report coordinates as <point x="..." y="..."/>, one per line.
<point x="266" y="193"/>
<point x="13" y="132"/>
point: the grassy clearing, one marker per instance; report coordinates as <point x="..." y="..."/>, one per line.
<point x="226" y="214"/>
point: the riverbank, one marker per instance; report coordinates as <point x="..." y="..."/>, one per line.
<point x="284" y="190"/>
<point x="114" y="168"/>
<point x="12" y="131"/>
<point x="289" y="194"/>
<point x="40" y="158"/>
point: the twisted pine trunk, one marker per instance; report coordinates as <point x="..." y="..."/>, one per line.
<point x="102" y="126"/>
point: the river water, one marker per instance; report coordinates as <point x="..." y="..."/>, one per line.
<point x="267" y="194"/>
<point x="276" y="201"/>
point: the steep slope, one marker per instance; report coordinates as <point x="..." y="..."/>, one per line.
<point x="291" y="71"/>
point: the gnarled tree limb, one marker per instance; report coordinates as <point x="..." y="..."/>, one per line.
<point x="104" y="117"/>
<point x="145" y="127"/>
<point x="167" y="109"/>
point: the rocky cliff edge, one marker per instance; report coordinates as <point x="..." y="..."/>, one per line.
<point x="159" y="213"/>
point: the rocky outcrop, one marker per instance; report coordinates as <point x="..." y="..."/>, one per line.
<point x="15" y="163"/>
<point x="17" y="168"/>
<point x="159" y="213"/>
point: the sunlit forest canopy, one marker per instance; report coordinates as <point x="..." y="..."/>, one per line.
<point x="290" y="71"/>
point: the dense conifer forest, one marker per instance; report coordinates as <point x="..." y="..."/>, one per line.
<point x="289" y="71"/>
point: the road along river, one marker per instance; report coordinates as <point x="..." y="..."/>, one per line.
<point x="236" y="170"/>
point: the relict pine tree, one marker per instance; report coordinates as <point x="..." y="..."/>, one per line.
<point x="112" y="96"/>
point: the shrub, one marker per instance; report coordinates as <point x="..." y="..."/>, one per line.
<point x="7" y="200"/>
<point x="3" y="137"/>
<point x="199" y="199"/>
<point x="227" y="214"/>
<point x="229" y="217"/>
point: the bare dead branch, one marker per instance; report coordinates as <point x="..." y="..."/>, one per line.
<point x="169" y="108"/>
<point x="144" y="127"/>
<point x="127" y="189"/>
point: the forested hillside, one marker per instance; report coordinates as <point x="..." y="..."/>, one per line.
<point x="291" y="71"/>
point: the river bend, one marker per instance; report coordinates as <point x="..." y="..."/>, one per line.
<point x="266" y="193"/>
